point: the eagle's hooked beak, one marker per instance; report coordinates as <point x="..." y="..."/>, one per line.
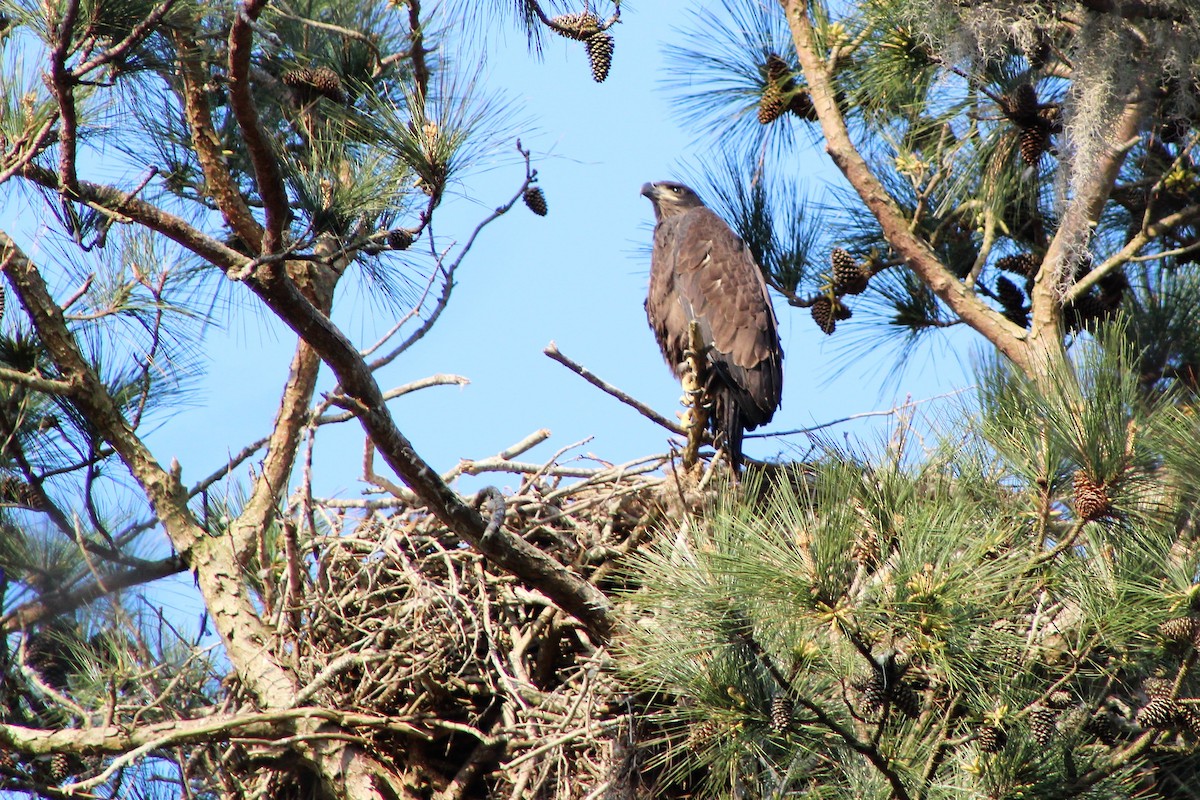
<point x="648" y="190"/>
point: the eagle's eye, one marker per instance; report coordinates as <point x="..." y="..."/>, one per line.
<point x="675" y="189"/>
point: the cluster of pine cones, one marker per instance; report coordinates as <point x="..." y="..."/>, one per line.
<point x="584" y="26"/>
<point x="848" y="277"/>
<point x="1035" y="121"/>
<point x="780" y="93"/>
<point x="1099" y="302"/>
<point x="310" y="83"/>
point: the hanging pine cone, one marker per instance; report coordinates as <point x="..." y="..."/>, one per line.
<point x="600" y="52"/>
<point x="1012" y="300"/>
<point x="60" y="767"/>
<point x="399" y="239"/>
<point x="906" y="699"/>
<point x="1042" y="725"/>
<point x="1112" y="290"/>
<point x="1179" y="629"/>
<point x="822" y="314"/>
<point x="300" y="81"/>
<point x="1024" y="103"/>
<point x="1160" y="712"/>
<point x="1034" y="140"/>
<point x="1060" y="699"/>
<point x="776" y="85"/>
<point x="297" y="77"/>
<point x="1091" y="499"/>
<point x="777" y="69"/>
<point x="1158" y="688"/>
<point x="992" y="738"/>
<point x="580" y="26"/>
<point x="801" y="105"/>
<point x="1189" y="716"/>
<point x="1101" y="726"/>
<point x="1084" y="310"/>
<point x="1025" y="264"/>
<point x="848" y="276"/>
<point x="327" y="84"/>
<point x="771" y="105"/>
<point x="47" y="655"/>
<point x="781" y="713"/>
<point x="874" y="695"/>
<point x="536" y="200"/>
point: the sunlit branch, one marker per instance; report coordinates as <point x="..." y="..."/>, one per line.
<point x="1002" y="333"/>
<point x="241" y="101"/>
<point x="583" y="372"/>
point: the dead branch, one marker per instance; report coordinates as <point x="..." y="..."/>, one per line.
<point x="583" y="372"/>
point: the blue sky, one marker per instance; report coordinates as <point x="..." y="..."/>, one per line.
<point x="576" y="277"/>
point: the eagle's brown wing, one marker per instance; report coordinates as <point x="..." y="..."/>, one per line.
<point x="701" y="270"/>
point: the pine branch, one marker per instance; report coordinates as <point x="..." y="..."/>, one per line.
<point x="53" y="604"/>
<point x="156" y="219"/>
<point x="62" y="83"/>
<point x="136" y="36"/>
<point x="868" y="750"/>
<point x="1003" y="334"/>
<point x="207" y="146"/>
<point x="241" y="100"/>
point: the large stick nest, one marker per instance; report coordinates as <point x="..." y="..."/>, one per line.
<point x="505" y="694"/>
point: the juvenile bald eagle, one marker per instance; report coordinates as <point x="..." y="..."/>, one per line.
<point x="700" y="270"/>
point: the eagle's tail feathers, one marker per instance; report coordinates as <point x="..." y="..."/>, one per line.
<point x="728" y="426"/>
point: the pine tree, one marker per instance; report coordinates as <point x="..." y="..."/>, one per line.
<point x="966" y="127"/>
<point x="192" y="162"/>
<point x="879" y="648"/>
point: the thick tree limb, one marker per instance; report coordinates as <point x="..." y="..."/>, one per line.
<point x="262" y="157"/>
<point x="920" y="258"/>
<point x="1074" y="230"/>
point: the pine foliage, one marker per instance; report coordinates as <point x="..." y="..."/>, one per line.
<point x="991" y="619"/>
<point x="988" y="125"/>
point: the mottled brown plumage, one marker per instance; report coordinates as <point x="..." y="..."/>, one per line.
<point x="701" y="270"/>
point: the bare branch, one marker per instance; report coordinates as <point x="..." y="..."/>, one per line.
<point x="583" y="372"/>
<point x="241" y="100"/>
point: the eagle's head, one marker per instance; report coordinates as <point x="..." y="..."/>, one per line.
<point x="670" y="198"/>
